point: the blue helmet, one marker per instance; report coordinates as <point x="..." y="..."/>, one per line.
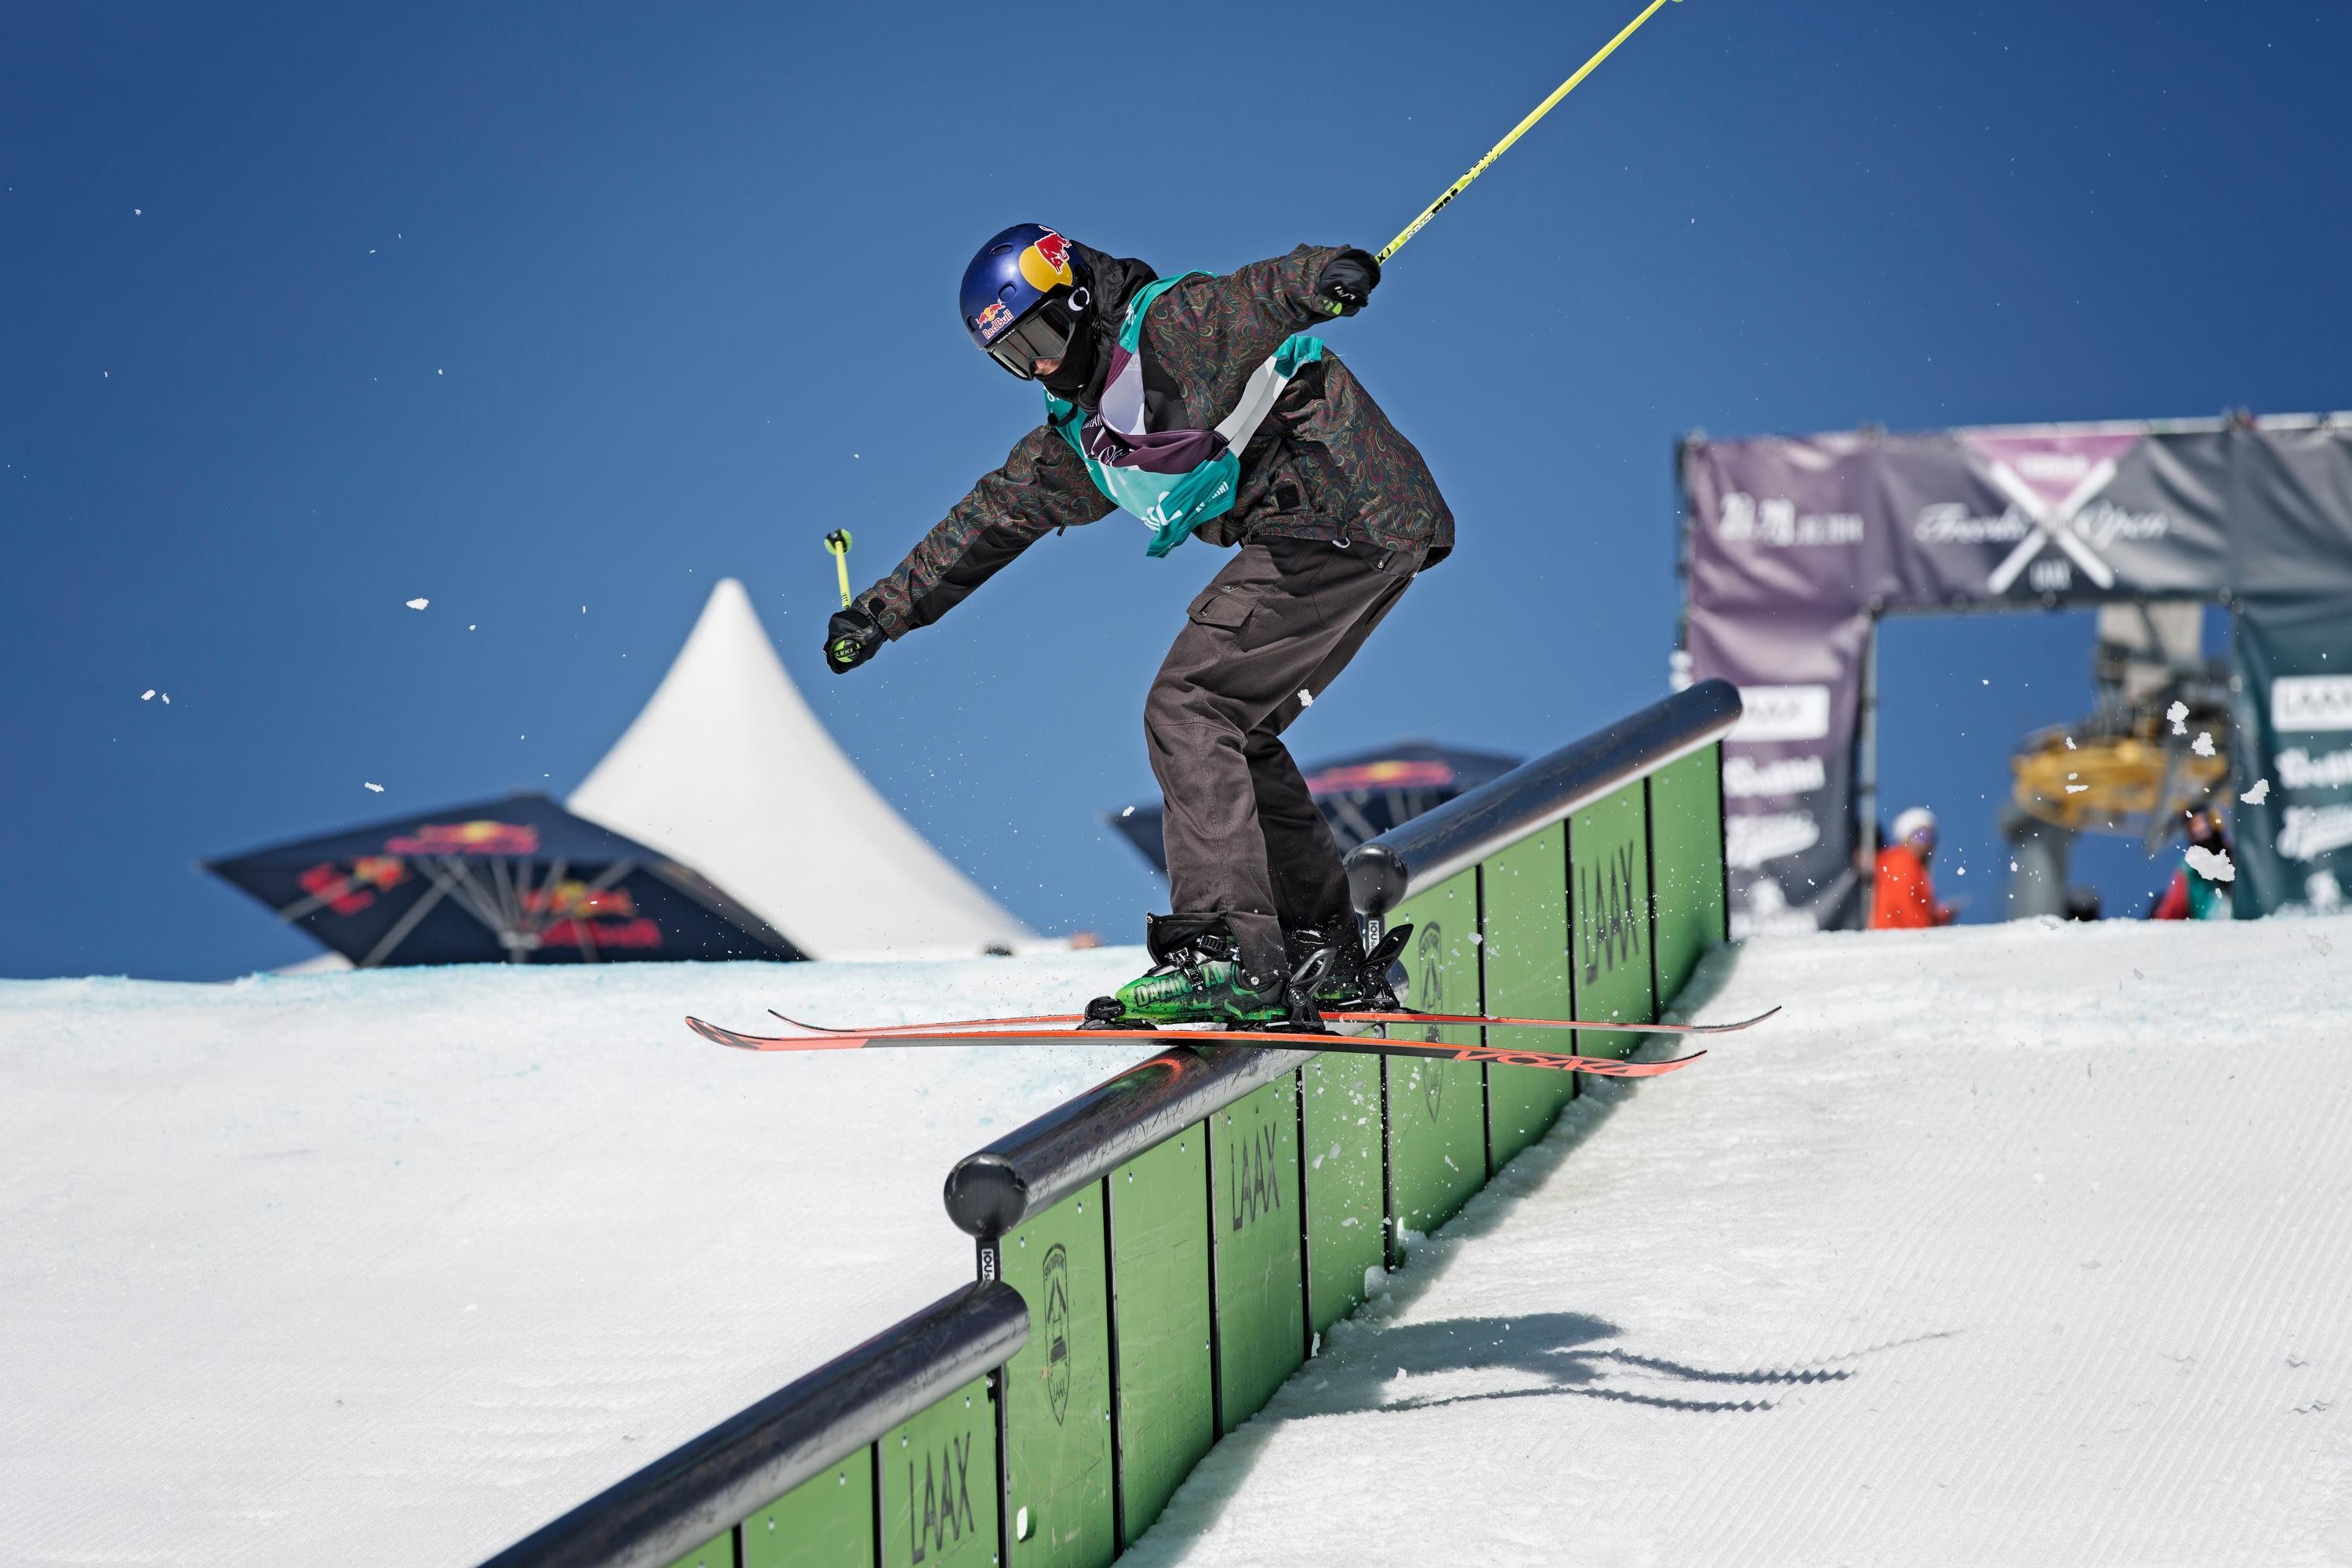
<point x="1020" y="297"/>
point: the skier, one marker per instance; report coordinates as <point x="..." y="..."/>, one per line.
<point x="1197" y="403"/>
<point x="1903" y="895"/>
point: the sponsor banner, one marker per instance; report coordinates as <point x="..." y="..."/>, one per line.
<point x="1775" y="523"/>
<point x="1782" y="713"/>
<point x="2299" y="770"/>
<point x="1767" y="912"/>
<point x="2293" y="845"/>
<point x="1925" y="521"/>
<point x="1751" y="841"/>
<point x="1793" y="545"/>
<point x="2312" y="832"/>
<point x="1788" y="827"/>
<point x="2309" y="703"/>
<point x="1744" y="778"/>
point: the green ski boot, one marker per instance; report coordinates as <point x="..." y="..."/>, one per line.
<point x="1196" y="977"/>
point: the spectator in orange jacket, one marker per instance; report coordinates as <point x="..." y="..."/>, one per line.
<point x="1903" y="895"/>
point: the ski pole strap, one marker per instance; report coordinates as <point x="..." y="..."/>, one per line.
<point x="837" y="541"/>
<point x="1458" y="186"/>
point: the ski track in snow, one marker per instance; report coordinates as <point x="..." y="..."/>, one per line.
<point x="1984" y="1252"/>
<point x="394" y="1268"/>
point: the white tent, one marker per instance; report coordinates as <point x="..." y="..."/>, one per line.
<point x="728" y="771"/>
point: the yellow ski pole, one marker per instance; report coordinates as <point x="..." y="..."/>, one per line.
<point x="1458" y="186"/>
<point x="837" y="541"/>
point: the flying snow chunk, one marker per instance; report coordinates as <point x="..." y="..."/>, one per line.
<point x="376" y="787"/>
<point x="2259" y="793"/>
<point x="418" y="603"/>
<point x="2213" y="865"/>
<point x="2203" y="745"/>
<point x="1305" y="697"/>
<point x="2176" y="712"/>
<point x="2076" y="789"/>
<point x="147" y="695"/>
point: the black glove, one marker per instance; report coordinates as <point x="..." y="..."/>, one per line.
<point x="1347" y="281"/>
<point x="851" y="638"/>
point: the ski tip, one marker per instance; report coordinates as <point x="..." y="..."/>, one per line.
<point x="1656" y="1068"/>
<point x="1732" y="1027"/>
<point x="728" y="1037"/>
<point x="718" y="1035"/>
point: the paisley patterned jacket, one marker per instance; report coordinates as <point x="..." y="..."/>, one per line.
<point x="1326" y="465"/>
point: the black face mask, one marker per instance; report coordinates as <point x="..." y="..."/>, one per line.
<point x="1078" y="363"/>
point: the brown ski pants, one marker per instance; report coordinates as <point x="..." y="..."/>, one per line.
<point x="1265" y="638"/>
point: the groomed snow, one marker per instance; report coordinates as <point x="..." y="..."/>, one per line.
<point x="2005" y="1245"/>
<point x="393" y="1267"/>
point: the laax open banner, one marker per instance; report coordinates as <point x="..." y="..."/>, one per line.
<point x="1793" y="546"/>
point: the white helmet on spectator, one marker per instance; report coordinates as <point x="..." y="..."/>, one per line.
<point x="1916" y="828"/>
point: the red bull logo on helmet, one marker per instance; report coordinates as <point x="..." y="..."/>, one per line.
<point x="1046" y="262"/>
<point x="991" y="324"/>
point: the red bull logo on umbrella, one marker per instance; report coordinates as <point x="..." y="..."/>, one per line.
<point x="479" y="837"/>
<point x="592" y="917"/>
<point x="1392" y="773"/>
<point x="347" y="892"/>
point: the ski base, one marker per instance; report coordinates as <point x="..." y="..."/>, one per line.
<point x="1404" y="1018"/>
<point x="1361" y="1045"/>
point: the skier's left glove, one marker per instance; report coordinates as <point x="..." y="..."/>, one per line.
<point x="851" y="638"/>
<point x="1346" y="282"/>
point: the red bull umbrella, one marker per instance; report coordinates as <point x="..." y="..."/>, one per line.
<point x="1361" y="796"/>
<point x="520" y="880"/>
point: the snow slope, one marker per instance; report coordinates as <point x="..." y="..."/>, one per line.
<point x="393" y="1267"/>
<point x="2004" y="1245"/>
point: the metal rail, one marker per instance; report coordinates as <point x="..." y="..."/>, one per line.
<point x="752" y="1458"/>
<point x="1385" y="871"/>
<point x="1035" y="1167"/>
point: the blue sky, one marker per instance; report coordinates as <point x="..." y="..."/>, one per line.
<point x="310" y="312"/>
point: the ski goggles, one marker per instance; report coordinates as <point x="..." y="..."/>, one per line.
<point x="1044" y="333"/>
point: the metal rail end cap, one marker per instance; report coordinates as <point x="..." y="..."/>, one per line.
<point x="985" y="1196"/>
<point x="1377" y="878"/>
